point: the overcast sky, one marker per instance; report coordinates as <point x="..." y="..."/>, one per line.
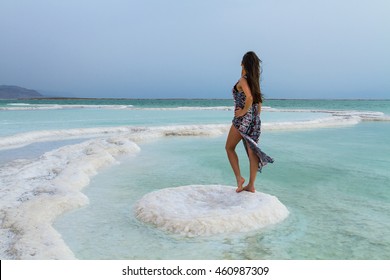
<point x="193" y="49"/>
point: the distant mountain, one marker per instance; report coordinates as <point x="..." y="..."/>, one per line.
<point x="14" y="92"/>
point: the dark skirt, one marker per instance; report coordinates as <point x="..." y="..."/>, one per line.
<point x="249" y="127"/>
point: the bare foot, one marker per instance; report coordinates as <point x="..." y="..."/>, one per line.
<point x="249" y="188"/>
<point x="240" y="182"/>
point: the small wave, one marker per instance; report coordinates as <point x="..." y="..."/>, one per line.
<point x="216" y="108"/>
<point x="34" y="193"/>
<point x="26" y="106"/>
<point x="185" y="108"/>
<point x="18" y="104"/>
<point x="30" y="107"/>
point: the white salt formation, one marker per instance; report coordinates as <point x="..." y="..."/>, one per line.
<point x="33" y="193"/>
<point x="200" y="210"/>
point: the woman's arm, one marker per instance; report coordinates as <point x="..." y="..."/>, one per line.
<point x="243" y="84"/>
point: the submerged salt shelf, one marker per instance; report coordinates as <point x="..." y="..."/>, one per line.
<point x="203" y="210"/>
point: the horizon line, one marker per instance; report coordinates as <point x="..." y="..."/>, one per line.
<point x="180" y="98"/>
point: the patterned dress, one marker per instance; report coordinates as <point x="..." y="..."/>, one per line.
<point x="249" y="126"/>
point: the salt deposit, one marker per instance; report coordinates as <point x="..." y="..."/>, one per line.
<point x="202" y="210"/>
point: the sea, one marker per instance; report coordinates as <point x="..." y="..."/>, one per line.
<point x="73" y="170"/>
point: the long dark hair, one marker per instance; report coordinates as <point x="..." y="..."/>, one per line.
<point x="251" y="63"/>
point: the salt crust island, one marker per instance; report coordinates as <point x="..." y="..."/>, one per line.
<point x="204" y="210"/>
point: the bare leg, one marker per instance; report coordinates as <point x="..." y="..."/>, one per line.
<point x="253" y="167"/>
<point x="234" y="137"/>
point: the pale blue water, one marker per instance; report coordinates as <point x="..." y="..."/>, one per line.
<point x="335" y="182"/>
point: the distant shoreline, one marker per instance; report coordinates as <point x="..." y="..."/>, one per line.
<point x="123" y="98"/>
<point x="105" y="98"/>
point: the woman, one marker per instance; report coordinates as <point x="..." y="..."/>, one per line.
<point x="246" y="122"/>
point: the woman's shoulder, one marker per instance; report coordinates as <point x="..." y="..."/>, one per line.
<point x="243" y="83"/>
<point x="243" y="80"/>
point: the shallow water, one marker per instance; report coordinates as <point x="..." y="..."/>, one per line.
<point x="337" y="196"/>
<point x="330" y="170"/>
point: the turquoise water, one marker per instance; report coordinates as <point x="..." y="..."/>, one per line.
<point x="334" y="181"/>
<point x="338" y="196"/>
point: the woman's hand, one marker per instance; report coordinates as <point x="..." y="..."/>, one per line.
<point x="243" y="84"/>
<point x="239" y="113"/>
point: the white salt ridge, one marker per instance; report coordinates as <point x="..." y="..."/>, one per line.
<point x="136" y="133"/>
<point x="204" y="210"/>
<point x="142" y="133"/>
<point x="34" y="193"/>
